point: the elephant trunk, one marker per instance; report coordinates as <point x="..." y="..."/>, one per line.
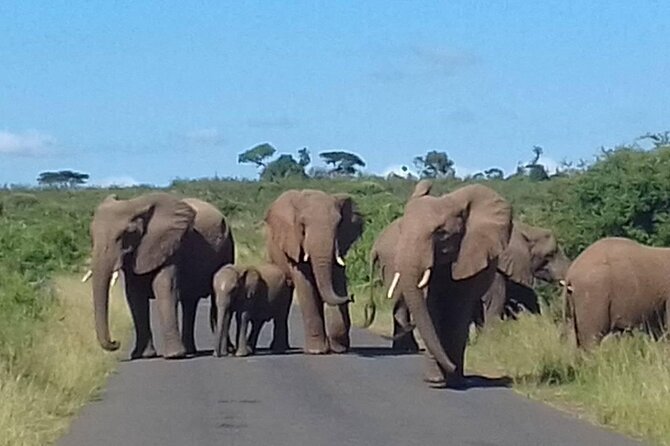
<point x="322" y="266"/>
<point x="102" y="274"/>
<point x="417" y="306"/>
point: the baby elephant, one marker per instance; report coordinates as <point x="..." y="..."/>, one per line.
<point x="256" y="295"/>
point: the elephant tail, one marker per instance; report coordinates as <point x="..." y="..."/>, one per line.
<point x="567" y="307"/>
<point x="213" y="313"/>
<point x="370" y="309"/>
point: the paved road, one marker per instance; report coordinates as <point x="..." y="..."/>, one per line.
<point x="367" y="397"/>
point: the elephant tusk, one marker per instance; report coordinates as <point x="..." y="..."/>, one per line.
<point x="305" y="258"/>
<point x="562" y="283"/>
<point x="394" y="284"/>
<point x="115" y="277"/>
<point x="424" y="279"/>
<point x="87" y="276"/>
<point x="340" y="260"/>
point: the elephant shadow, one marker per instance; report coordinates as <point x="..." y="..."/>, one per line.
<point x="373" y="352"/>
<point x="481" y="382"/>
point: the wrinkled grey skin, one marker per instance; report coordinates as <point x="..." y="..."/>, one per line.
<point x="457" y="237"/>
<point x="255" y="295"/>
<point x="617" y="284"/>
<point x="382" y="254"/>
<point x="305" y="232"/>
<point x="169" y="249"/>
<point x="532" y="253"/>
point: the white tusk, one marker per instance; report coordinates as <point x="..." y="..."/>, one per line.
<point x="394" y="284"/>
<point x="562" y="282"/>
<point x="115" y="277"/>
<point x="305" y="258"/>
<point x="340" y="260"/>
<point x="424" y="279"/>
<point x="87" y="276"/>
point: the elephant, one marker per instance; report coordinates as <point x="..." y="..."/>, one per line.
<point x="446" y="258"/>
<point x="168" y="249"/>
<point x="382" y="253"/>
<point x="256" y="295"/>
<point x="308" y="233"/>
<point x="532" y="253"/>
<point x="617" y="284"/>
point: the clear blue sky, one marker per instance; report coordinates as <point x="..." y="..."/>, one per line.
<point x="149" y="91"/>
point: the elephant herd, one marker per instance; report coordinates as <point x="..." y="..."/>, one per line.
<point x="449" y="261"/>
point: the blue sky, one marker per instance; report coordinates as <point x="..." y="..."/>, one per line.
<point x="149" y="91"/>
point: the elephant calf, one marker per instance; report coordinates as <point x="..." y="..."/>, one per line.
<point x="617" y="284"/>
<point x="255" y="295"/>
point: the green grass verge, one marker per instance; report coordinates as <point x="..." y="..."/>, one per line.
<point x="59" y="368"/>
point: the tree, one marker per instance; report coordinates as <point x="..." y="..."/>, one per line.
<point x="303" y="157"/>
<point x="493" y="173"/>
<point x="257" y="155"/>
<point x="62" y="178"/>
<point x="536" y="171"/>
<point x="343" y="163"/>
<point x="283" y="167"/>
<point x="435" y="165"/>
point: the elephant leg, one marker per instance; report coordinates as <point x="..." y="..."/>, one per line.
<point x="256" y="327"/>
<point x="188" y="311"/>
<point x="338" y="324"/>
<point x="401" y="320"/>
<point x="165" y="290"/>
<point x="311" y="308"/>
<point x="280" y="326"/>
<point x="243" y="319"/>
<point x="139" y="309"/>
<point x="495" y="299"/>
<point x="222" y="344"/>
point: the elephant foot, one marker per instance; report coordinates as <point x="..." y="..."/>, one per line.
<point x="338" y="348"/>
<point x="456" y="381"/>
<point x="147" y="353"/>
<point x="316" y="347"/>
<point x="242" y="352"/>
<point x="221" y="353"/>
<point x="433" y="375"/>
<point x="175" y="352"/>
<point x="279" y="348"/>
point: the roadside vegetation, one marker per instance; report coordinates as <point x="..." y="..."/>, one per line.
<point x="50" y="365"/>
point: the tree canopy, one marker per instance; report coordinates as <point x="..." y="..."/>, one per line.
<point x="283" y="167"/>
<point x="435" y="165"/>
<point x="343" y="163"/>
<point x="257" y="155"/>
<point x="62" y="178"/>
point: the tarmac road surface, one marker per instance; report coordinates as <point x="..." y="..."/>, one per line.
<point x="369" y="396"/>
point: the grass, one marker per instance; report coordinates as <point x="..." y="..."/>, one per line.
<point x="624" y="384"/>
<point x="59" y="369"/>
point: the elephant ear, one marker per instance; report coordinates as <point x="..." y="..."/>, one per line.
<point x="351" y="224"/>
<point x="515" y="261"/>
<point x="168" y="221"/>
<point x="421" y="189"/>
<point x="283" y="228"/>
<point x="488" y="223"/>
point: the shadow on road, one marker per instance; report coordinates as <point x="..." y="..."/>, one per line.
<point x="371" y="352"/>
<point x="481" y="382"/>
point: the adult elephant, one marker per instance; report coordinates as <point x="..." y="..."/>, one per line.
<point x="445" y="261"/>
<point x="308" y="232"/>
<point x="168" y="249"/>
<point x="382" y="254"/>
<point x="532" y="253"/>
<point x="617" y="284"/>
